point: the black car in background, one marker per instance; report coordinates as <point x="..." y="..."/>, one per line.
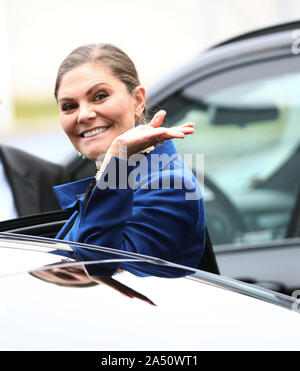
<point x="244" y="97"/>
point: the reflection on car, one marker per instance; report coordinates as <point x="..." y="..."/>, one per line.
<point x="165" y="314"/>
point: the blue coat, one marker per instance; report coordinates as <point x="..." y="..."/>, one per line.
<point x="158" y="211"/>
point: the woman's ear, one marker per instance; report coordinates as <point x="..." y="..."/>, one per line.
<point x="140" y="100"/>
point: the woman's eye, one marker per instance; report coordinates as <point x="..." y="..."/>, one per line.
<point x="68" y="106"/>
<point x="100" y="96"/>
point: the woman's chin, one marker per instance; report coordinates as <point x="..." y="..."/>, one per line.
<point x="92" y="149"/>
<point x="93" y="155"/>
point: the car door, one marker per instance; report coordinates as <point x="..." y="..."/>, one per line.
<point x="247" y="113"/>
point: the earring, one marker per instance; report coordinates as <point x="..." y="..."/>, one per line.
<point x="81" y="155"/>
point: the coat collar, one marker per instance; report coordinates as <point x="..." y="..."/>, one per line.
<point x="69" y="194"/>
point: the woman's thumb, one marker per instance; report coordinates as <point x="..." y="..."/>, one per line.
<point x="158" y="118"/>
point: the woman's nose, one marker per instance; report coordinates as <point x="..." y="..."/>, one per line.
<point x="86" y="113"/>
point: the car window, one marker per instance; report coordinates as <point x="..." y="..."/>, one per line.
<point x="247" y="127"/>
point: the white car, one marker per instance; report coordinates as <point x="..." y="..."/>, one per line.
<point x="244" y="96"/>
<point x="202" y="311"/>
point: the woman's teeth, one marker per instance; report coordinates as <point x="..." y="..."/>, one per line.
<point x="91" y="133"/>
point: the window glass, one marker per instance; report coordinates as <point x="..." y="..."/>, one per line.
<point x="247" y="127"/>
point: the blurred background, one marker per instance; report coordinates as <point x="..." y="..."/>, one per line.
<point x="159" y="35"/>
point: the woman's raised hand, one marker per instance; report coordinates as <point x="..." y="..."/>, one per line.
<point x="142" y="137"/>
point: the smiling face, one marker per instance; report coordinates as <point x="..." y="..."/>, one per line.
<point x="96" y="107"/>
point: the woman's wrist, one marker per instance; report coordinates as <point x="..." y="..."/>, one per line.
<point x="115" y="150"/>
<point x="118" y="148"/>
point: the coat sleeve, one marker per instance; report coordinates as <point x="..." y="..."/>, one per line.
<point x="153" y="221"/>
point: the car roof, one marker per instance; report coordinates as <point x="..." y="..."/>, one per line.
<point x="270" y="30"/>
<point x="248" y="49"/>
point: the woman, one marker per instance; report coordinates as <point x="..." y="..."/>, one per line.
<point x="102" y="105"/>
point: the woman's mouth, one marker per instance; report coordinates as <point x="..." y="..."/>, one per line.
<point x="94" y="132"/>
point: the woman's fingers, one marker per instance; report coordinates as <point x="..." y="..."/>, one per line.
<point x="187" y="124"/>
<point x="176" y="132"/>
<point x="187" y="130"/>
<point x="142" y="137"/>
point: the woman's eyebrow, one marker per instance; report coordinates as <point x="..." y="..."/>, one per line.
<point x="94" y="87"/>
<point x="87" y="93"/>
<point x="65" y="99"/>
